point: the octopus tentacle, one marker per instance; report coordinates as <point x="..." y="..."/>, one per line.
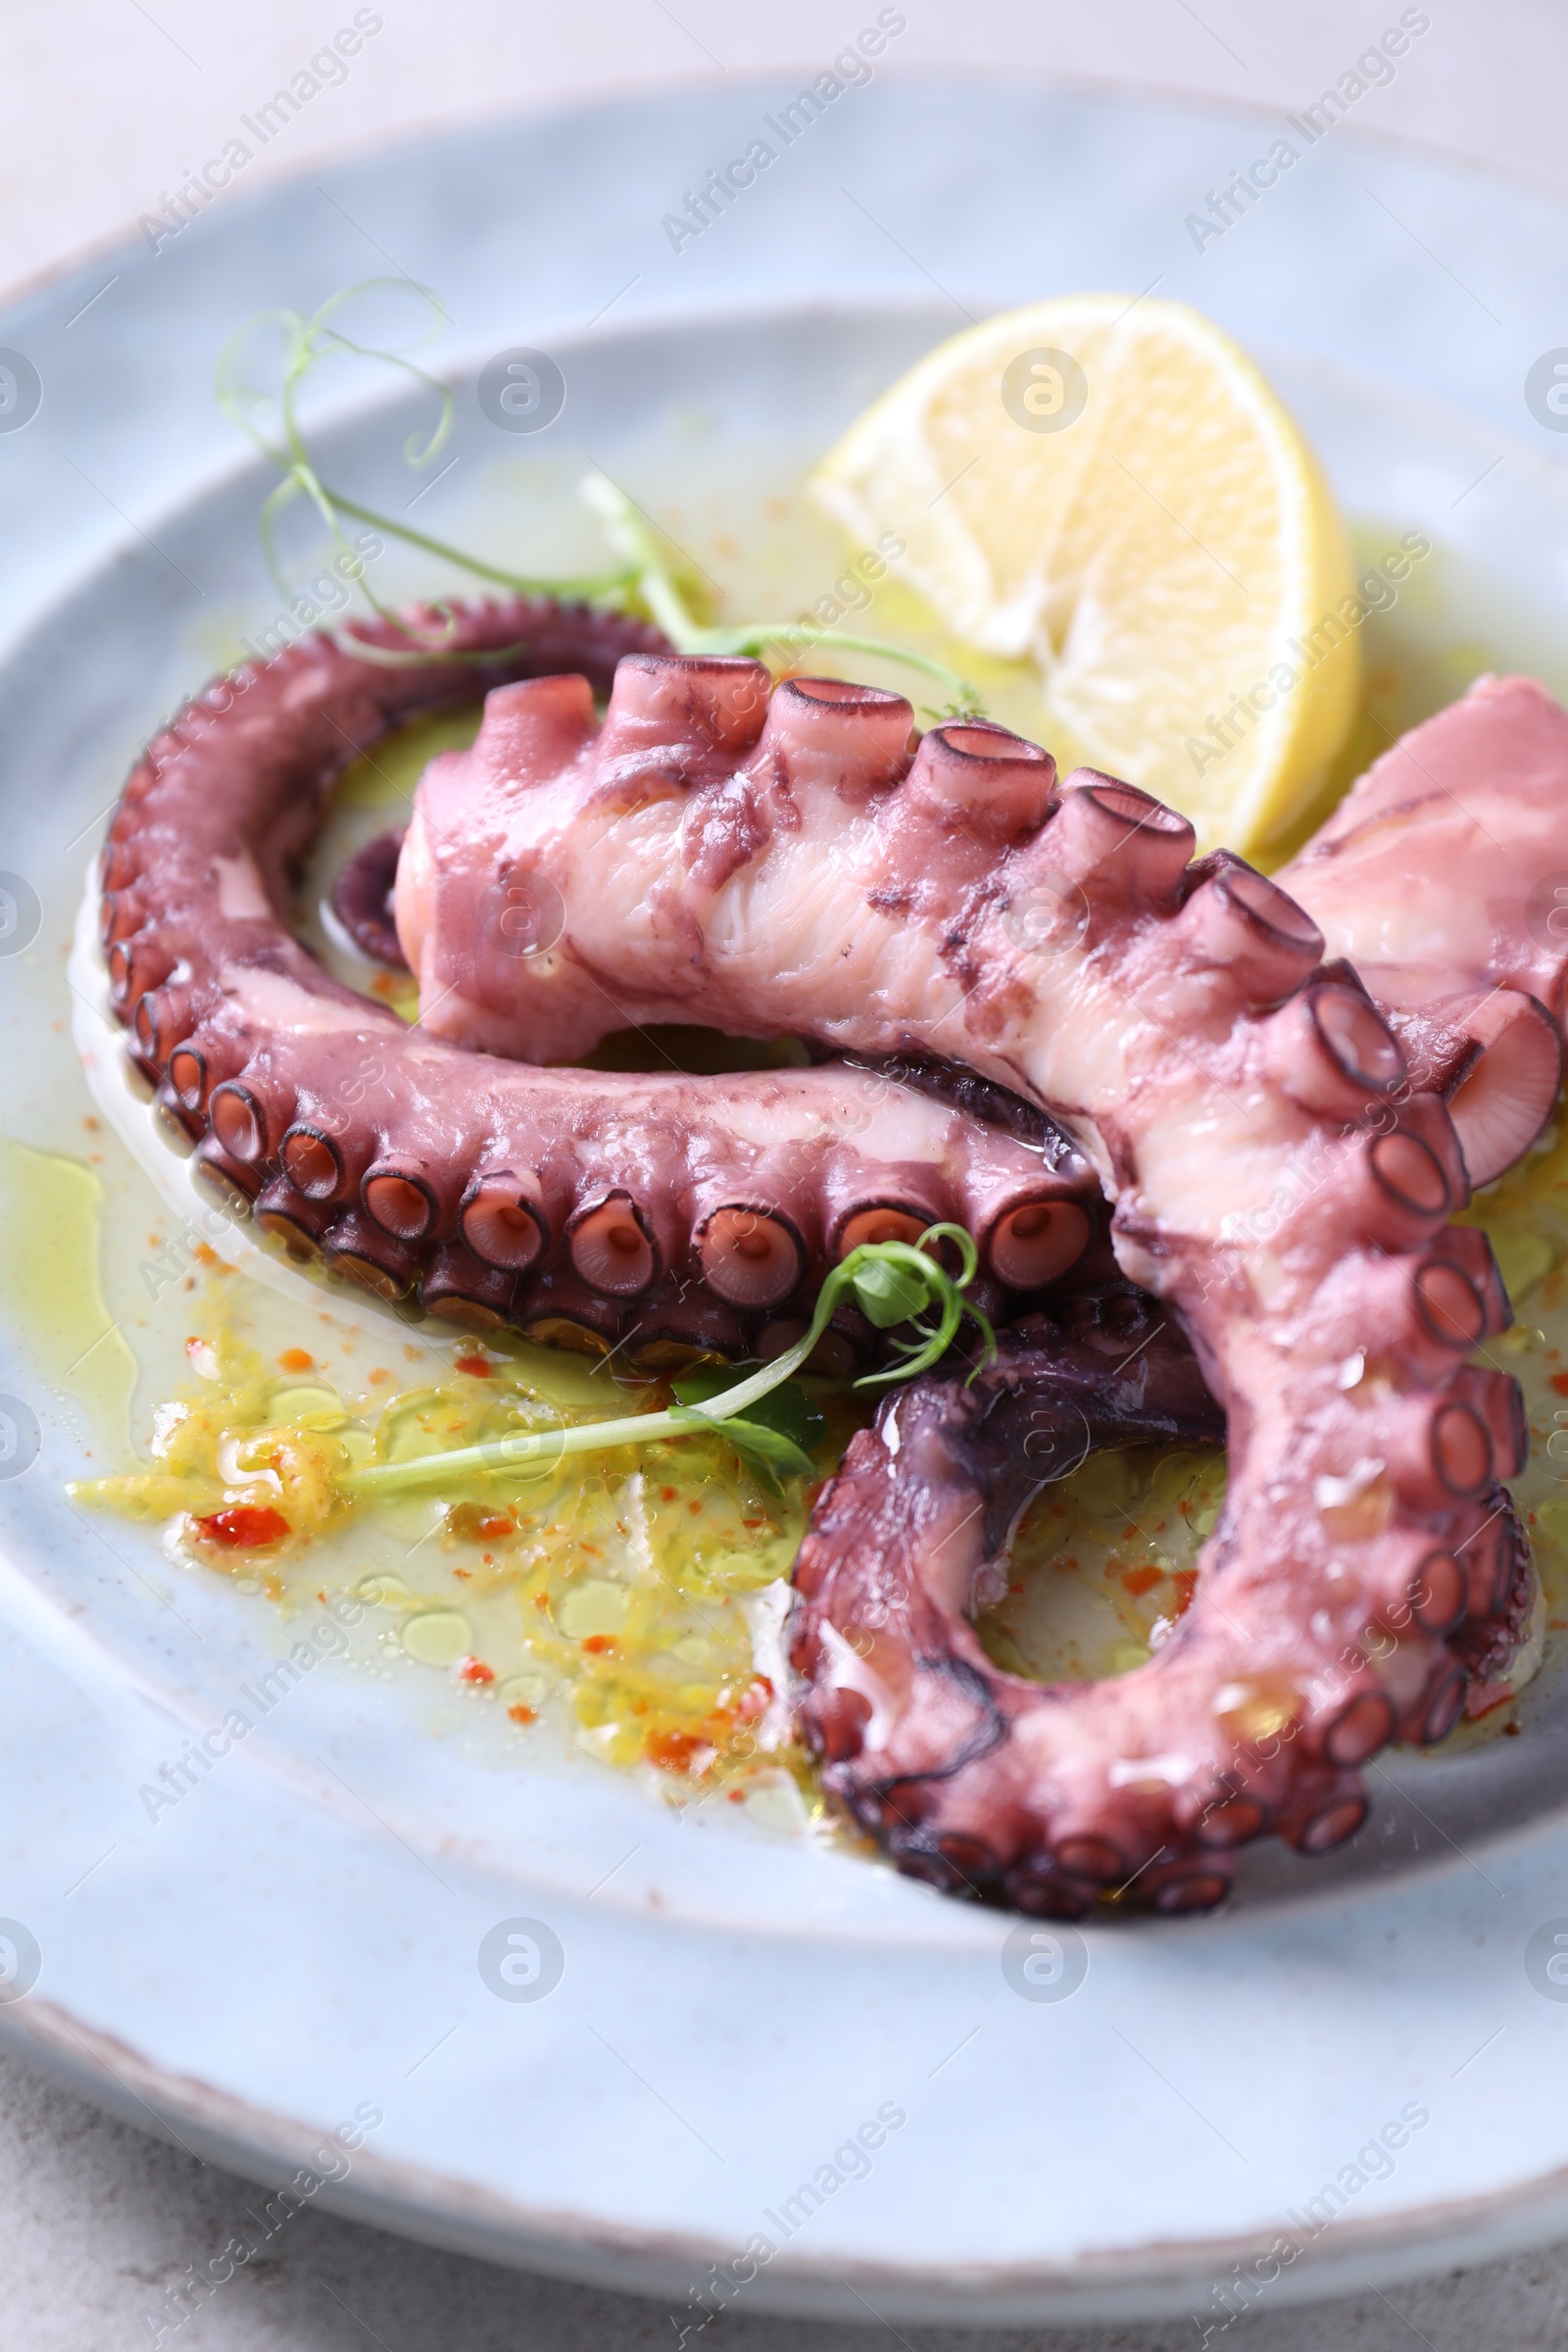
<point x="1278" y="1182"/>
<point x="615" y="1181"/>
<point x="362" y="899"/>
<point x="655" y="1213"/>
<point x="988" y="1785"/>
<point x="1440" y="876"/>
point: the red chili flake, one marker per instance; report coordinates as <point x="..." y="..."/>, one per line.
<point x="737" y="1797"/>
<point x="672" y="1751"/>
<point x="667" y="1493"/>
<point x="1142" y="1580"/>
<point x="521" y="1714"/>
<point x="694" y="1505"/>
<point x="243" y="1527"/>
<point x="1559" y="1381"/>
<point x="754" y="1523"/>
<point x="297" y="1360"/>
<point x="479" y="1365"/>
<point x="599" y="1646"/>
<point x="476" y="1524"/>
<point x="474" y="1670"/>
<point x="1183" y="1580"/>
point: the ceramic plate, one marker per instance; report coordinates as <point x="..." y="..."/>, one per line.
<point x="723" y="2034"/>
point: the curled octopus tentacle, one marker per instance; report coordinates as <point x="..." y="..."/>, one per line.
<point x="718" y="852"/>
<point x="667" y="1214"/>
<point x="1255" y="1714"/>
<point x="363" y="896"/>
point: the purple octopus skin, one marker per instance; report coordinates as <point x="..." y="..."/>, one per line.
<point x="758" y="860"/>
<point x="961" y="1771"/>
<point x="1426" y="877"/>
<point x="362" y="900"/>
<point x="675" y="1215"/>
<point x="1441" y="876"/>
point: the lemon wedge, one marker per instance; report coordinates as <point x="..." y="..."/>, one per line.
<point x="1108" y="488"/>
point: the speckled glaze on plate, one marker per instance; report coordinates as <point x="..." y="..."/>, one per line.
<point x="706" y="2035"/>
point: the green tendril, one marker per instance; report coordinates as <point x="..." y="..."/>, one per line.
<point x="633" y="538"/>
<point x="892" y="1283"/>
<point x="270" y="420"/>
<point x="644" y="579"/>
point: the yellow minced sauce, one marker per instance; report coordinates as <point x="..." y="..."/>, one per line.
<point x="610" y="1588"/>
<point x="633" y="1594"/>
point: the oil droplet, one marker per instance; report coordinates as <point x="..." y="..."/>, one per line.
<point x="594" y="1607"/>
<point x="49" y="1209"/>
<point x="1173" y="1474"/>
<point x="524" y="1691"/>
<point x="436" y="1637"/>
<point x="383" y="1590"/>
<point x="1258" y="1708"/>
<point x="304" y="1405"/>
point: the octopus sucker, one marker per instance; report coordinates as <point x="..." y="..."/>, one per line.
<point x="362" y="898"/>
<point x="1282" y="1160"/>
<point x="1029" y="1002"/>
<point x="665" y="1215"/>
<point x="1439" y="877"/>
<point x="1048" y="1797"/>
<point x="932" y="1748"/>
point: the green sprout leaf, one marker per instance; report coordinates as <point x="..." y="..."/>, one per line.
<point x="777" y="1432"/>
<point x="788" y="1410"/>
<point x="887" y="1295"/>
<point x="751" y="1409"/>
<point x="261" y="370"/>
<point x="288" y="349"/>
<point x="779" y="643"/>
<point x="767" y="1450"/>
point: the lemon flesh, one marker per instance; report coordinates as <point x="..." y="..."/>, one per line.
<point x="1110" y="489"/>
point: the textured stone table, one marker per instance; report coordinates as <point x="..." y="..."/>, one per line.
<point x="99" y="2223"/>
<point x="103" y="107"/>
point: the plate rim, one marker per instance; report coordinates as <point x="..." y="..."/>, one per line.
<point x="1053" y="2293"/>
